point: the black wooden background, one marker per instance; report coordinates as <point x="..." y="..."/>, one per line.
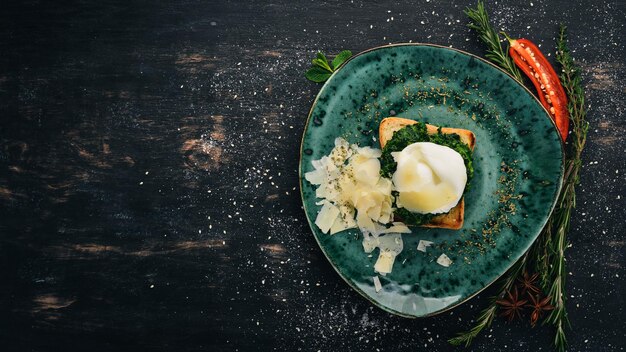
<point x="148" y="175"/>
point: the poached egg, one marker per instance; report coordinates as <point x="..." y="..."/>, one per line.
<point x="430" y="178"/>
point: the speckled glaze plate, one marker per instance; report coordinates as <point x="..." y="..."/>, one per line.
<point x="518" y="162"/>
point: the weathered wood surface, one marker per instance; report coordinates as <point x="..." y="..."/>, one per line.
<point x="148" y="175"/>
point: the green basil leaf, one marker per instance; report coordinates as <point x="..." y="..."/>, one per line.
<point x="322" y="62"/>
<point x="322" y="57"/>
<point x="341" y="58"/>
<point x="317" y="74"/>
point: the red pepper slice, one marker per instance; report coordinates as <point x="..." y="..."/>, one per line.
<point x="531" y="61"/>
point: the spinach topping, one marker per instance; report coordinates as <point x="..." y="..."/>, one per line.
<point x="418" y="133"/>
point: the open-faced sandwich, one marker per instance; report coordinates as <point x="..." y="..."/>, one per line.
<point x="430" y="168"/>
<point x="419" y="178"/>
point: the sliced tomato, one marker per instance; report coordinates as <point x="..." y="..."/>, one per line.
<point x="531" y="61"/>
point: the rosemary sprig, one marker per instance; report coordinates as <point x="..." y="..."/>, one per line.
<point x="480" y="23"/>
<point x="486" y="316"/>
<point x="571" y="81"/>
<point x="484" y="320"/>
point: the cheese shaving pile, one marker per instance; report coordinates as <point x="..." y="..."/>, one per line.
<point x="352" y="191"/>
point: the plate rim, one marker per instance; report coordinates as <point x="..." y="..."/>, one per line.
<point x="311" y="224"/>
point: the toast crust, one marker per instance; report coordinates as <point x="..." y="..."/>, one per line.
<point x="454" y="219"/>
<point x="390" y="125"/>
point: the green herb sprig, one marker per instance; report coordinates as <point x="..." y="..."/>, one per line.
<point x="548" y="252"/>
<point x="322" y="69"/>
<point x="485" y="318"/>
<point x="480" y="23"/>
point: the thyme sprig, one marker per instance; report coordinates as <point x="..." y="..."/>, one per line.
<point x="480" y="23"/>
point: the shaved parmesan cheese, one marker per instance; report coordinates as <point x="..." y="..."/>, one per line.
<point x="344" y="221"/>
<point x="369" y="243"/>
<point x="397" y="227"/>
<point x="370" y="152"/>
<point x="384" y="264"/>
<point x="391" y="242"/>
<point x="421" y="246"/>
<point x="342" y="151"/>
<point x="443" y="260"/>
<point x="366" y="170"/>
<point x="377" y="285"/>
<point x="390" y="246"/>
<point x="327" y="216"/>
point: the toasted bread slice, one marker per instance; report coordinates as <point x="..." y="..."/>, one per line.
<point x="454" y="219"/>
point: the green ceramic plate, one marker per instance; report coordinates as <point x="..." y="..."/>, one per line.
<point x="517" y="159"/>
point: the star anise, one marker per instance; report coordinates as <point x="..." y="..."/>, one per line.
<point x="512" y="305"/>
<point x="538" y="306"/>
<point x="527" y="283"/>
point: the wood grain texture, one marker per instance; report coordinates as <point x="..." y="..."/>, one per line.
<point x="148" y="174"/>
